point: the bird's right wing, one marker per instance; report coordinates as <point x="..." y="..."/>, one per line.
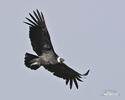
<point x="65" y="72"/>
<point x="39" y="34"/>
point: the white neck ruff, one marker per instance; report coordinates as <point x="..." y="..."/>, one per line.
<point x="58" y="59"/>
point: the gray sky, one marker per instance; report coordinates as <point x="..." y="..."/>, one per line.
<point x="87" y="33"/>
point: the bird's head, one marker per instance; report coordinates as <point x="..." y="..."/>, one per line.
<point x="60" y="60"/>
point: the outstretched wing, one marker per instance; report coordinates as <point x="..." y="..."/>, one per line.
<point x="65" y="72"/>
<point x="39" y="36"/>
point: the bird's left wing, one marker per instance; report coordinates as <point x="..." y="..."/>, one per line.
<point x="39" y="35"/>
<point x="65" y="72"/>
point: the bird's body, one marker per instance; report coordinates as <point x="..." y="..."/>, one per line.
<point x="46" y="56"/>
<point x="49" y="58"/>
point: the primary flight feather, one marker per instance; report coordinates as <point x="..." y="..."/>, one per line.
<point x="46" y="56"/>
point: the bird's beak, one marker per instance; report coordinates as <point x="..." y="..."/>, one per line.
<point x="61" y="60"/>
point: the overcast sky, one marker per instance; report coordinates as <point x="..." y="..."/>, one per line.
<point x="86" y="33"/>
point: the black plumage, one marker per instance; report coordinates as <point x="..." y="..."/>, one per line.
<point x="46" y="56"/>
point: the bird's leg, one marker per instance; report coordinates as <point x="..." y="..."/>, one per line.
<point x="35" y="62"/>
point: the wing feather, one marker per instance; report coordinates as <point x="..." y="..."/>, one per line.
<point x="40" y="17"/>
<point x="29" y="24"/>
<point x="76" y="83"/>
<point x="71" y="83"/>
<point x="33" y="17"/>
<point x="31" y="21"/>
<point x="67" y="81"/>
<point x="36" y="16"/>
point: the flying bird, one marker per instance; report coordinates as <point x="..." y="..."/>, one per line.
<point x="46" y="55"/>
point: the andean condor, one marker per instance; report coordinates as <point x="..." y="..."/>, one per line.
<point x="46" y="56"/>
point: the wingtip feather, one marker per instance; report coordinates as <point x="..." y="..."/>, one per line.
<point x="79" y="79"/>
<point x="28" y="23"/>
<point x="76" y="84"/>
<point x="39" y="15"/>
<point x="71" y="83"/>
<point x="87" y="73"/>
<point x="67" y="81"/>
<point x="33" y="17"/>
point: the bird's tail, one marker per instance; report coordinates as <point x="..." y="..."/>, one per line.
<point x="31" y="61"/>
